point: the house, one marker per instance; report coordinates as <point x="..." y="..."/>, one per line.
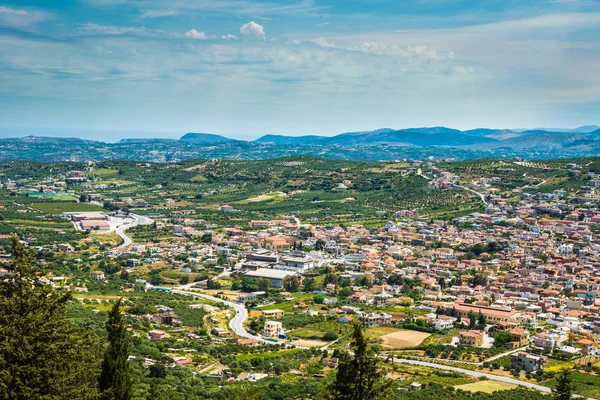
<point x="273" y="328"/>
<point x="330" y="362"/>
<point x="279" y="243"/>
<point x="586" y="346"/>
<point x="157" y="335"/>
<point x="470" y="338"/>
<point x="547" y="341"/>
<point x="527" y="362"/>
<point x="97" y="275"/>
<point x="220" y="332"/>
<point x="346" y="319"/>
<point x="272" y="314"/>
<point x="518" y="338"/>
<point x="375" y="319"/>
<point x="248" y="342"/>
<point x="443" y="322"/>
<point x="243" y="297"/>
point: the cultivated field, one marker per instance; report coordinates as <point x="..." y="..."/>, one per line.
<point x="308" y="343"/>
<point x="486" y="386"/>
<point x="403" y="339"/>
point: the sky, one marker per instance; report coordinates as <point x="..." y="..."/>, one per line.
<point x="106" y="69"/>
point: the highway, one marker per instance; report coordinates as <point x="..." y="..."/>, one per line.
<point x="137" y="220"/>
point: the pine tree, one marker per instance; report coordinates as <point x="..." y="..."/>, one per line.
<point x="358" y="376"/>
<point x="564" y="385"/>
<point x="42" y="354"/>
<point x="115" y="380"/>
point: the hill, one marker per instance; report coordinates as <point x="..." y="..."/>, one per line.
<point x="205" y="138"/>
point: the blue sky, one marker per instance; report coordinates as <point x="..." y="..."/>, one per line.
<point x="112" y="68"/>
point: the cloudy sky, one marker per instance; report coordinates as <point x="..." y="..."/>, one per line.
<point x="111" y="68"/>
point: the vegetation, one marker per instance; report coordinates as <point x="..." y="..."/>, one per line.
<point x="115" y="381"/>
<point x="42" y="354"/>
<point x="359" y="376"/>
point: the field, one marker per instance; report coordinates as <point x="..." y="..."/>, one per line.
<point x="403" y="339"/>
<point x="308" y="343"/>
<point x="585" y="384"/>
<point x="59" y="208"/>
<point x="486" y="386"/>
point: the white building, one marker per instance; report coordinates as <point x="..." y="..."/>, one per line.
<point x="273" y="328"/>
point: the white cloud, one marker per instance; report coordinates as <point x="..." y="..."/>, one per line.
<point x="20" y="18"/>
<point x="201" y="7"/>
<point x="91" y="29"/>
<point x="194" y="34"/>
<point x="408" y="51"/>
<point x="324" y="43"/>
<point x="253" y="29"/>
<point x="229" y="36"/>
<point x="158" y="14"/>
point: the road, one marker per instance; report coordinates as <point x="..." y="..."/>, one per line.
<point x="137" y="220"/>
<point x="476" y="374"/>
<point x="481" y="195"/>
<point x="236" y="323"/>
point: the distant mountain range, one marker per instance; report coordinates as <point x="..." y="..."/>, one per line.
<point x="426" y="137"/>
<point x="380" y="144"/>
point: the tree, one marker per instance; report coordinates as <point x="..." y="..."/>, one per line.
<point x="115" y="379"/>
<point x="263" y="284"/>
<point x="480" y="279"/>
<point x="157" y="371"/>
<point x="564" y="385"/>
<point x="481" y="321"/>
<point x="358" y="376"/>
<point x="502" y="338"/>
<point x="210" y="284"/>
<point x="308" y="284"/>
<point x="472" y="319"/>
<point x="42" y="354"/>
<point x="291" y="283"/>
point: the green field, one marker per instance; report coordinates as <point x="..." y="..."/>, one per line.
<point x="103" y="172"/>
<point x="59" y="208"/>
<point x="585" y="384"/>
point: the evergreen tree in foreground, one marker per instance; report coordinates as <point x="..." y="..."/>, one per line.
<point x="564" y="385"/>
<point x="358" y="375"/>
<point x="42" y="354"/>
<point x="115" y="379"/>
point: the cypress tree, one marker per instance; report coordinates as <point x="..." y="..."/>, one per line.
<point x="358" y="376"/>
<point x="564" y="385"/>
<point x="115" y="379"/>
<point x="42" y="354"/>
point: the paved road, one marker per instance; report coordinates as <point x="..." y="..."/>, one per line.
<point x="476" y="374"/>
<point x="236" y="323"/>
<point x="137" y="220"/>
<point x="481" y="195"/>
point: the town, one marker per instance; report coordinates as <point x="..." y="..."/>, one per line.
<point x="485" y="268"/>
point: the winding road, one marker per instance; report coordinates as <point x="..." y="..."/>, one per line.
<point x="137" y="220"/>
<point x="236" y="323"/>
<point x="481" y="195"/>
